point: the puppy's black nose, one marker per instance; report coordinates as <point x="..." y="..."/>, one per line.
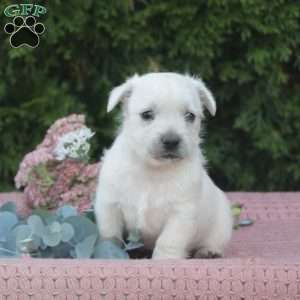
<point x="170" y="141"/>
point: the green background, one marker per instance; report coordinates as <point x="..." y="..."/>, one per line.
<point x="247" y="51"/>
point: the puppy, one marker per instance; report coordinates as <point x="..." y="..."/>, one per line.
<point x="153" y="177"/>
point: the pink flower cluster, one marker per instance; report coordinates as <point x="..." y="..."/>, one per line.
<point x="51" y="183"/>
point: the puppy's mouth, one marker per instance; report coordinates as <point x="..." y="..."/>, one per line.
<point x="162" y="155"/>
<point x="170" y="155"/>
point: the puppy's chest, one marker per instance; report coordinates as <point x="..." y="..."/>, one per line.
<point x="146" y="209"/>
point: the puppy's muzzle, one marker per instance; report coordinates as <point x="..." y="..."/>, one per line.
<point x="170" y="145"/>
<point x="170" y="141"/>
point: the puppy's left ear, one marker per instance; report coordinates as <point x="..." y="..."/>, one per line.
<point x="120" y="93"/>
<point x="205" y="95"/>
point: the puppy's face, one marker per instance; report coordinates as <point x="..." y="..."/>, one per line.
<point x="162" y="115"/>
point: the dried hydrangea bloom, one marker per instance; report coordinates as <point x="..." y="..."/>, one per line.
<point x="51" y="182"/>
<point x="73" y="144"/>
<point x="39" y="156"/>
<point x="89" y="171"/>
<point x="44" y="151"/>
<point x="61" y="127"/>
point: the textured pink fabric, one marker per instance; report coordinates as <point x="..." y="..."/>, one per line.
<point x="261" y="262"/>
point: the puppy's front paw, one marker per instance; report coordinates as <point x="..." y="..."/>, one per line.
<point x="168" y="253"/>
<point x="207" y="253"/>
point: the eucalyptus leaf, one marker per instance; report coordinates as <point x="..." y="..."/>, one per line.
<point x="66" y="211"/>
<point x="67" y="232"/>
<point x="62" y="250"/>
<point x="90" y="214"/>
<point x="43" y="246"/>
<point x="60" y="234"/>
<point x="85" y="248"/>
<point x="9" y="248"/>
<point x="55" y="227"/>
<point x="37" y="241"/>
<point x="36" y="224"/>
<point x="9" y="206"/>
<point x="108" y="250"/>
<point x="52" y="240"/>
<point x="47" y="216"/>
<point x="82" y="226"/>
<point x="73" y="253"/>
<point x="7" y="221"/>
<point x="21" y="232"/>
<point x="28" y="245"/>
<point x="47" y="253"/>
<point x="133" y="246"/>
<point x="6" y="253"/>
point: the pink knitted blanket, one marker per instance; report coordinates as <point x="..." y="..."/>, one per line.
<point x="261" y="262"/>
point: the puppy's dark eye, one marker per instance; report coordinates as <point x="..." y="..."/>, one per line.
<point x="147" y="115"/>
<point x="189" y="117"/>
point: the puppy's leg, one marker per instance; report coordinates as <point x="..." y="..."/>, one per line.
<point x="175" y="239"/>
<point x="208" y="252"/>
<point x="213" y="245"/>
<point x="109" y="217"/>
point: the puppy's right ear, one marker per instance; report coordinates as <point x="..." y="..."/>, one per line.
<point x="205" y="95"/>
<point x="120" y="93"/>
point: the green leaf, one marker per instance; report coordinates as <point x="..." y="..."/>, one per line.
<point x="42" y="172"/>
<point x="236" y="209"/>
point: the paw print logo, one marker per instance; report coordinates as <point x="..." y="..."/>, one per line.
<point x="24" y="31"/>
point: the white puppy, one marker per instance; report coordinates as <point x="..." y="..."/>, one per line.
<point x="153" y="177"/>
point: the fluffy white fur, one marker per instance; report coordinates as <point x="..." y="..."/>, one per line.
<point x="171" y="201"/>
